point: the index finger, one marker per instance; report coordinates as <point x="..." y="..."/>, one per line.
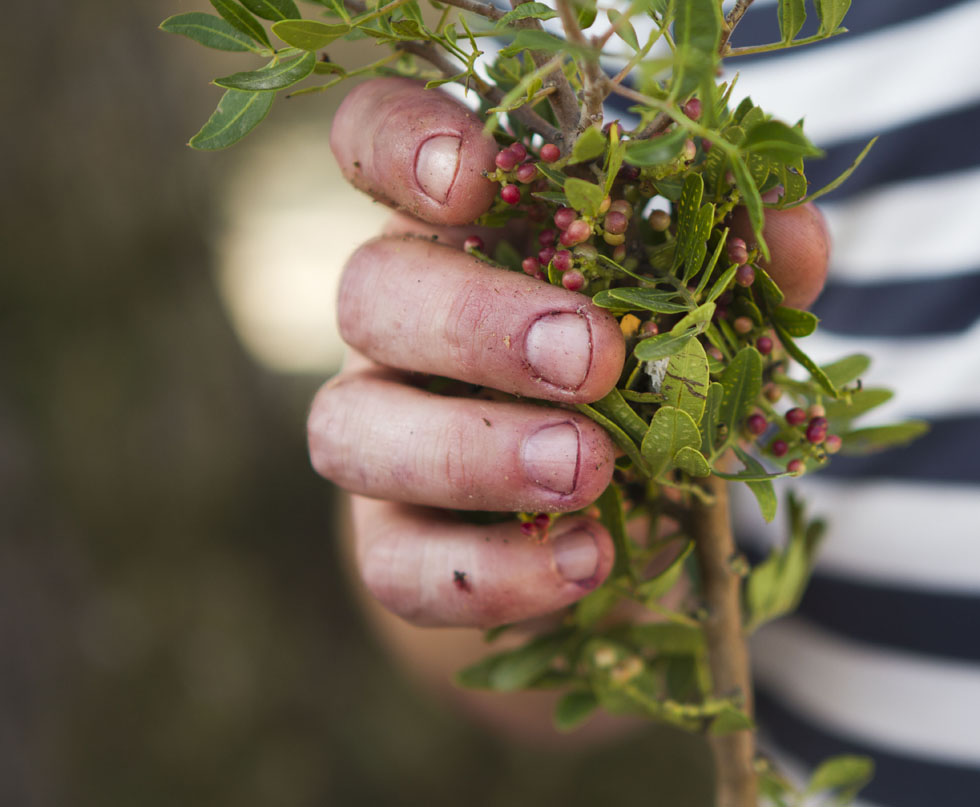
<point x="417" y="150"/>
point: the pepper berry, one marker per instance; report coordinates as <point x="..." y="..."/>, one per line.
<point x="779" y="448"/>
<point x="745" y="276"/>
<point x="550" y="153"/>
<point x="473" y="242"/>
<point x="511" y="194"/>
<point x="816" y="430"/>
<point x="796" y="416"/>
<point x="756" y="423"/>
<point x="573" y="281"/>
<point x="764" y="345"/>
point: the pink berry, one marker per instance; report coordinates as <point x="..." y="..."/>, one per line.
<point x="764" y="345"/>
<point x="743" y="325"/>
<point x="573" y="281"/>
<point x="833" y="443"/>
<point x="615" y="222"/>
<point x="705" y="145"/>
<point x="545" y="255"/>
<point x="511" y="194"/>
<point x="816" y="430"/>
<point x="527" y="172"/>
<point x="779" y="448"/>
<point x="714" y="352"/>
<point x="621" y="206"/>
<point x="473" y="242"/>
<point x="745" y="276"/>
<point x="796" y="416"/>
<point x="795" y="467"/>
<point x="518" y="150"/>
<point x="527" y="528"/>
<point x="816" y="411"/>
<point x="737" y="251"/>
<point x="550" y="153"/>
<point x="530" y="266"/>
<point x="564" y="216"/>
<point x="756" y="423"/>
<point x="563" y="260"/>
<point x="506" y="160"/>
<point x="576" y="232"/>
<point x="693" y="108"/>
<point x="542" y="520"/>
<point x="649" y="328"/>
<point x="690" y="151"/>
<point x="619" y="254"/>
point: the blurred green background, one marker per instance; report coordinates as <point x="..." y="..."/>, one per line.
<point x="175" y="627"/>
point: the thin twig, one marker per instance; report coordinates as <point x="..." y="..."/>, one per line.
<point x="594" y="92"/>
<point x="483" y="9"/>
<point x="563" y="102"/>
<point x="733" y="18"/>
<point x="728" y="657"/>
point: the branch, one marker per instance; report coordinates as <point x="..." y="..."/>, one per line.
<point x="563" y="101"/>
<point x="728" y="656"/>
<point x="472" y="6"/>
<point x="733" y="19"/>
<point x="594" y="91"/>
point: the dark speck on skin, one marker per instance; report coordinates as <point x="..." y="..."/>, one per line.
<point x="460" y="581"/>
<point x="487" y="422"/>
<point x="357" y="163"/>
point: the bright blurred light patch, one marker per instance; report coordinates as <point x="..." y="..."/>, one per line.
<point x="291" y="221"/>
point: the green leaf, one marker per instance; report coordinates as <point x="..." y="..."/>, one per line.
<point x="709" y="420"/>
<point x="723" y="282"/>
<point x="792" y="15"/>
<point x="656" y="150"/>
<point x="207" y="30"/>
<point x="795" y="322"/>
<point x="668" y="638"/>
<point x="624" y="29"/>
<point x="843" y="775"/>
<point x="661" y="346"/>
<point x="620" y="438"/>
<point x="309" y="34"/>
<point x="861" y="401"/>
<point x="698" y="319"/>
<point x="697" y="35"/>
<point x="584" y="196"/>
<point x="763" y="490"/>
<point x="816" y="373"/>
<point x="595" y="605"/>
<point x="831" y="14"/>
<point x="238" y="112"/>
<point x="697" y="244"/>
<point x="880" y="438"/>
<point x="530" y="39"/>
<point x="615" y="407"/>
<point x="775" y="139"/>
<point x="692" y="462"/>
<point x="766" y="288"/>
<point x="573" y="709"/>
<point x="613" y="518"/>
<point x="527" y="11"/>
<point x="834" y="184"/>
<point x="274" y="77"/>
<point x="273" y="9"/>
<point x="685" y="384"/>
<point x="742" y="382"/>
<point x="237" y="16"/>
<point x="850" y="368"/>
<point x="656" y="587"/>
<point x="731" y="719"/>
<point x="634" y="299"/>
<point x="752" y="201"/>
<point x="322" y="68"/>
<point x="687" y="209"/>
<point x="670" y="430"/>
<point x="514" y="669"/>
<point x="590" y="144"/>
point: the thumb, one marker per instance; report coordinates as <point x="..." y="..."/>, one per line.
<point x="415" y="149"/>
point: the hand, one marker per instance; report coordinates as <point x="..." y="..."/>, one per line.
<point x="409" y="305"/>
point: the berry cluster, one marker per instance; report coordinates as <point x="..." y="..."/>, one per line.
<point x="805" y="433"/>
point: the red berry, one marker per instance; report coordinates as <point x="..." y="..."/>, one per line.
<point x="649" y="328"/>
<point x="563" y="260"/>
<point x="542" y="520"/>
<point x="550" y="152"/>
<point x="833" y="443"/>
<point x="705" y="145"/>
<point x="737" y="251"/>
<point x="764" y="345"/>
<point x="506" y="160"/>
<point x="530" y="266"/>
<point x="546" y="238"/>
<point x="796" y="416"/>
<point x="756" y="423"/>
<point x="564" y="216"/>
<point x="816" y="430"/>
<point x="745" y="276"/>
<point x="573" y="281"/>
<point x="576" y="232"/>
<point x="511" y="194"/>
<point x="528" y="529"/>
<point x="779" y="448"/>
<point x="693" y="108"/>
<point x="615" y="222"/>
<point x="518" y="150"/>
<point x="795" y="467"/>
<point x="628" y="173"/>
<point x="545" y="255"/>
<point x="527" y="172"/>
<point x="473" y="242"/>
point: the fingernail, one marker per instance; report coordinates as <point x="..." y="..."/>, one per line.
<point x="559" y="349"/>
<point x="576" y="555"/>
<point x="550" y="457"/>
<point x="436" y="164"/>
